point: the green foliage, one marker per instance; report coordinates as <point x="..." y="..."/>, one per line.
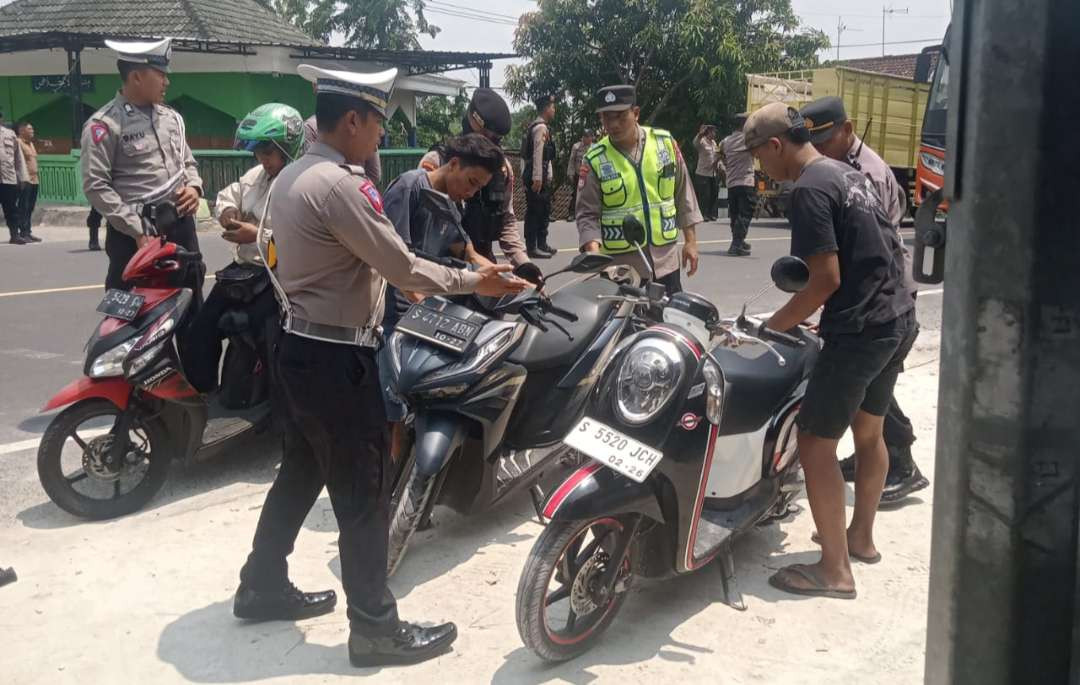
<point x="373" y="24"/>
<point x="439" y="117"/>
<point x="688" y="58"/>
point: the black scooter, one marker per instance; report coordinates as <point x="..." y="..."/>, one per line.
<point x="691" y="437"/>
<point x="492" y="393"/>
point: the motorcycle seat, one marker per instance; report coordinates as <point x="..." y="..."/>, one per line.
<point x="540" y="350"/>
<point x="755" y="388"/>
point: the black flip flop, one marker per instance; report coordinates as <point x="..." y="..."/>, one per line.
<point x="816" y="539"/>
<point x="781" y="581"/>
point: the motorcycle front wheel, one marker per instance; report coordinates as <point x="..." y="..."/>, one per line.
<point x="75" y="471"/>
<point x="561" y="608"/>
<point x="410" y="503"/>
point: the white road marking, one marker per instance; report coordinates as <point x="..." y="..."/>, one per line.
<point x="32" y="444"/>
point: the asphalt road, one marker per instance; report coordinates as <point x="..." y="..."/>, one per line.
<point x="49" y="292"/>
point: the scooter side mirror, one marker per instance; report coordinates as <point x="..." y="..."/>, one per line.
<point x="588" y="262"/>
<point x="790" y="274"/>
<point x="633" y="230"/>
<point x="440" y="205"/>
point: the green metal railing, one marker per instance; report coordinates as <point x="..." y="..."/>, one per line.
<point x="61" y="182"/>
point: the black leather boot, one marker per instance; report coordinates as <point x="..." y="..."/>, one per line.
<point x="286" y="604"/>
<point x="410" y="644"/>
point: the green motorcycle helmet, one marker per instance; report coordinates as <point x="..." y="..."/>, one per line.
<point x="272" y="123"/>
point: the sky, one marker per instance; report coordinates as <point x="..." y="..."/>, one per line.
<point x="488" y="26"/>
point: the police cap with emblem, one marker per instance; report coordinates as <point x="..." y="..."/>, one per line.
<point x="154" y="53"/>
<point x="616" y="99"/>
<point x="489" y="111"/>
<point x="823" y="118"/>
<point x="373" y="89"/>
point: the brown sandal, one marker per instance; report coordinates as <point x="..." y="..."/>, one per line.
<point x="781" y="580"/>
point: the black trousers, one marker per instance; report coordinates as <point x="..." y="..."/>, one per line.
<point x="335" y="435"/>
<point x="707" y="188"/>
<point x="202" y="339"/>
<point x="537" y="215"/>
<point x="120" y="247"/>
<point x="93" y="224"/>
<point x="9" y="202"/>
<point x="741" y="203"/>
<point x="27" y="202"/>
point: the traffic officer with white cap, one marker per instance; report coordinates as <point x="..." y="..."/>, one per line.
<point x="136" y="163"/>
<point x="334" y="247"/>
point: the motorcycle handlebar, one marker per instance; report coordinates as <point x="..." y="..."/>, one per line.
<point x="777" y="336"/>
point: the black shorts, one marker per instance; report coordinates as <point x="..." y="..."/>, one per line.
<point x="856" y="371"/>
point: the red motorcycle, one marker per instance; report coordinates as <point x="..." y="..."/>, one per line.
<point x="133" y="412"/>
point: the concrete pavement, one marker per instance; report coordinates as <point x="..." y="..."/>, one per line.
<point x="147" y="598"/>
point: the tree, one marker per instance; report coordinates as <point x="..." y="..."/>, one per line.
<point x="688" y="58"/>
<point x="439" y="117"/>
<point x="372" y="24"/>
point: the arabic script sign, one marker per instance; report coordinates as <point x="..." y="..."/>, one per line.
<point x="59" y="83"/>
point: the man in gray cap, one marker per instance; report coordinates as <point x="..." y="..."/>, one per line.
<point x="335" y="251"/>
<point x="833" y="135"/>
<point x="136" y="163"/>
<point x="856" y="263"/>
<point x="742" y="188"/>
<point x="664" y="200"/>
<point x="13" y="175"/>
<point x="489" y="214"/>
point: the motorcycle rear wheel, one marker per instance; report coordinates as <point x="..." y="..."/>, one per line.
<point x="563" y="568"/>
<point x="149" y="460"/>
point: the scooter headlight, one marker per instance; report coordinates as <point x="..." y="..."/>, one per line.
<point x="714" y="392"/>
<point x="648" y="377"/>
<point x="111" y="362"/>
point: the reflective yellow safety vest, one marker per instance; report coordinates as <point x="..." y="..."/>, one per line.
<point x="646" y="190"/>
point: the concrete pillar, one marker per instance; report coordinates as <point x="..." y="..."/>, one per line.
<point x="1003" y="579"/>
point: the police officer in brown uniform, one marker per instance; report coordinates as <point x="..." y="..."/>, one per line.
<point x="630" y="151"/>
<point x="833" y="134"/>
<point x="136" y="163"/>
<point x="335" y="247"/>
<point x="538" y="153"/>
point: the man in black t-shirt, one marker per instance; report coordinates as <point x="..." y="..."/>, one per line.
<point x="856" y="265"/>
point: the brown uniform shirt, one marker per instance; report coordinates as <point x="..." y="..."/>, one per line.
<point x="738" y="162"/>
<point x="372" y="166"/>
<point x="540" y="137"/>
<point x="12" y="163"/>
<point x="665" y="258"/>
<point x="335" y="246"/>
<point x="510" y="241"/>
<point x="133" y="155"/>
<point x="706" y="155"/>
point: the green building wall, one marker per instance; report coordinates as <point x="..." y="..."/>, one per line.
<point x="212" y="103"/>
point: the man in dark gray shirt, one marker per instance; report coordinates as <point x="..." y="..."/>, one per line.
<point x="855" y="256"/>
<point x="471" y="160"/>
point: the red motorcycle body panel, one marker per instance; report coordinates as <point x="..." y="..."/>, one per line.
<point x="116" y="390"/>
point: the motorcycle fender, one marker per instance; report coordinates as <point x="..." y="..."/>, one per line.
<point x="116" y="390"/>
<point x="438" y="435"/>
<point x="594" y="490"/>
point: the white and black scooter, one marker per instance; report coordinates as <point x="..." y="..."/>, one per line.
<point x="692" y="439"/>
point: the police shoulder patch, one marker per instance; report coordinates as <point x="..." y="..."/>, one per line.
<point x="372" y="194"/>
<point x="98" y="132"/>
